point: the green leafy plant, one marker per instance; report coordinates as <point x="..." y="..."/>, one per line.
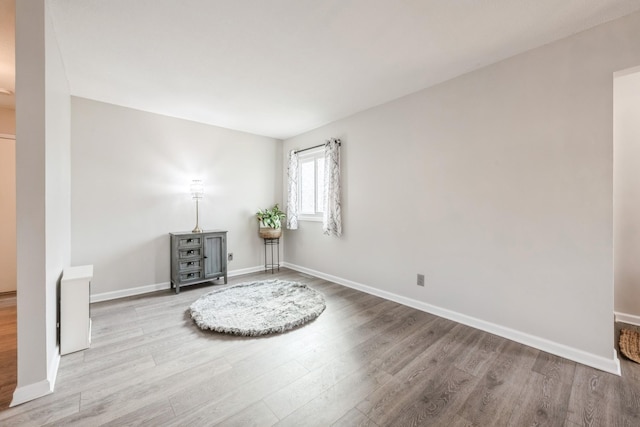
<point x="271" y="218"/>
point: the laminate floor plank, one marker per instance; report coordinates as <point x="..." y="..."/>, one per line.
<point x="334" y="403"/>
<point x="147" y="344"/>
<point x="224" y="405"/>
<point x="156" y="413"/>
<point x="422" y="373"/>
<point x="194" y="367"/>
<point x="283" y="347"/>
<point x="448" y="388"/>
<point x="492" y="401"/>
<point x="357" y="329"/>
<point x="629" y="395"/>
<point x="354" y="418"/>
<point x="439" y="401"/>
<point x="46" y="414"/>
<point x="7" y="321"/>
<point x="74" y="366"/>
<point x="336" y="368"/>
<point x="256" y="415"/>
<point x="410" y="348"/>
<point x="544" y="400"/>
<point x="241" y="373"/>
<point x="105" y="376"/>
<point x="177" y="322"/>
<point x="365" y="361"/>
<point x="103" y="407"/>
<point x="343" y="320"/>
<point x="351" y="306"/>
<point x="114" y="321"/>
<point x="476" y="360"/>
<point x="594" y="400"/>
<point x="7" y="301"/>
<point x="222" y="346"/>
<point x="114" y="338"/>
<point x="71" y="360"/>
<point x="49" y="402"/>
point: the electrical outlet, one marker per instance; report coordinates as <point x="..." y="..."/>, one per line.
<point x="230" y="256"/>
<point x="420" y="279"/>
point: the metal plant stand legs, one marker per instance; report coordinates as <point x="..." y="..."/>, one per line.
<point x="270" y="243"/>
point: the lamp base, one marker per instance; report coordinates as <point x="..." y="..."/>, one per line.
<point x="197" y="230"/>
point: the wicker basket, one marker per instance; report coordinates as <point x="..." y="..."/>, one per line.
<point x="270" y="233"/>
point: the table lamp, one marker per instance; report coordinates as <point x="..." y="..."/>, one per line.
<point x="197" y="191"/>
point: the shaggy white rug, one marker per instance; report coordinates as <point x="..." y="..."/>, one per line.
<point x="257" y="308"/>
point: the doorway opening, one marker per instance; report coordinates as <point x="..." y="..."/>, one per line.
<point x="626" y="195"/>
<point x="8" y="281"/>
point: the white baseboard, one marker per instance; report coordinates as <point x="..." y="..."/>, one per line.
<point x="630" y="319"/>
<point x="244" y="271"/>
<point x="604" y="364"/>
<point x="33" y="391"/>
<point x="106" y="296"/>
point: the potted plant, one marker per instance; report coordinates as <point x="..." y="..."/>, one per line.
<point x="270" y="221"/>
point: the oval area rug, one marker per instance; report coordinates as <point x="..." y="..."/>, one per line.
<point x="257" y="308"/>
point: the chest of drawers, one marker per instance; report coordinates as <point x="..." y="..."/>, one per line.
<point x="198" y="257"/>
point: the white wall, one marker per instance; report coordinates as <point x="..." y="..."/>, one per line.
<point x="58" y="179"/>
<point x="626" y="195"/>
<point x="7" y="201"/>
<point x="497" y="185"/>
<point x="131" y="172"/>
<point x="42" y="177"/>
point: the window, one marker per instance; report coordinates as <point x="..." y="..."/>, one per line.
<point x="311" y="184"/>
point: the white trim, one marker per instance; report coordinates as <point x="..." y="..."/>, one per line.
<point x="107" y="296"/>
<point x="41" y="388"/>
<point x="122" y="293"/>
<point x="602" y="363"/>
<point x="630" y="319"/>
<point x="314" y="155"/>
<point x="244" y="271"/>
<point x="31" y="391"/>
<point x="311" y="218"/>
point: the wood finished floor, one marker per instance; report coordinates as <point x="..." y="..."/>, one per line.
<point x="364" y="362"/>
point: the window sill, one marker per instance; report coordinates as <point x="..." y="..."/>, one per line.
<point x="309" y="218"/>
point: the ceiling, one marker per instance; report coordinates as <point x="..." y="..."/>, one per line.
<point x="7" y="52"/>
<point x="282" y="67"/>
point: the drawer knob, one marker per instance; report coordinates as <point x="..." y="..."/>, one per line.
<point x="190" y="263"/>
<point x="190" y="252"/>
<point x="189" y="240"/>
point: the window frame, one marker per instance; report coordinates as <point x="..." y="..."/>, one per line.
<point x="315" y="154"/>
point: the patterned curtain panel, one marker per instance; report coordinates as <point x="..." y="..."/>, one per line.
<point x="292" y="190"/>
<point x="332" y="217"/>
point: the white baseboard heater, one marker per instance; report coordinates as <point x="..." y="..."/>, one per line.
<point x="75" y="309"/>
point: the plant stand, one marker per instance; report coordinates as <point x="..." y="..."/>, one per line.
<point x="270" y="243"/>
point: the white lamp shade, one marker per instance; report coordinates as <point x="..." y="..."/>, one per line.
<point x="197" y="189"/>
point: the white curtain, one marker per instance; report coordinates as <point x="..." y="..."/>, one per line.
<point x="292" y="190"/>
<point x="332" y="217"/>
